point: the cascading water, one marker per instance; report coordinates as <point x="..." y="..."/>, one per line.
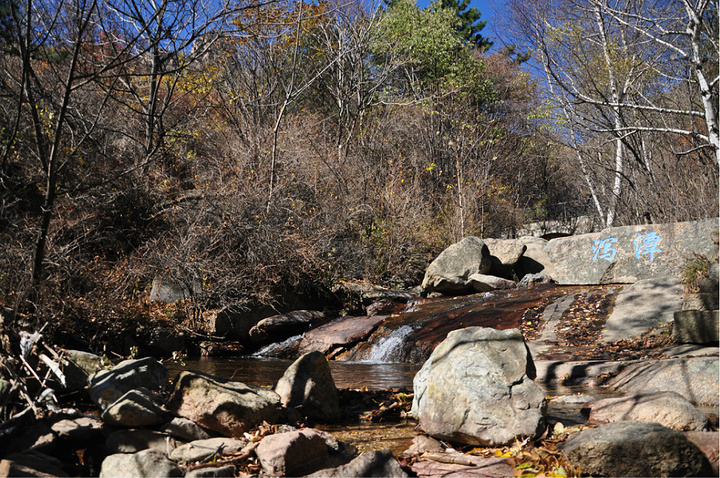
<point x="387" y="349"/>
<point x="275" y="349"/>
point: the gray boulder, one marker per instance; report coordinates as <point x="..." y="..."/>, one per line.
<point x="133" y="441"/>
<point x="78" y="366"/>
<point x="135" y="409"/>
<point x="185" y="429"/>
<point x="308" y="386"/>
<point x="380" y="463"/>
<point x="477" y="388"/>
<point x="695" y="378"/>
<point x="143" y="464"/>
<point x="669" y="409"/>
<point x="200" y="450"/>
<point x="449" y="272"/>
<point x="635" y="449"/>
<point x="165" y="289"/>
<point x="295" y="453"/>
<point x="227" y="407"/>
<point x="644" y="305"/>
<point x="504" y="254"/>
<point x="487" y="283"/>
<point x="106" y="386"/>
<point x="696" y="327"/>
<point x="279" y="327"/>
<point x="625" y="255"/>
<point x="534" y="260"/>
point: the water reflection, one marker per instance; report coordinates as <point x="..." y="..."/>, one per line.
<point x="265" y="372"/>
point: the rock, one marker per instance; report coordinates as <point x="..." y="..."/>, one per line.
<point x="295" y="453"/>
<point x="279" y="327"/>
<point x="709" y="444"/>
<point x="669" y="409"/>
<point x="450" y="271"/>
<point x="695" y="378"/>
<point x="700" y="301"/>
<point x="530" y="280"/>
<point x="308" y="386"/>
<point x="31" y="464"/>
<point x="79" y="366"/>
<point x="477" y="388"/>
<point x="185" y="429"/>
<point x="364" y="293"/>
<point x="486" y="283"/>
<point x="625" y="255"/>
<point x="200" y="450"/>
<point x="135" y="409"/>
<point x="171" y="290"/>
<point x="229" y="408"/>
<point x="696" y="327"/>
<point x="424" y="444"/>
<point x="505" y="254"/>
<point x="455" y="464"/>
<point x="380" y="463"/>
<point x="380" y="307"/>
<point x="340" y="333"/>
<point x="143" y="464"/>
<point x="220" y="471"/>
<point x="635" y="449"/>
<point x="107" y="386"/>
<point x="78" y="430"/>
<point x="133" y="441"/>
<point x="534" y="260"/>
<point x="642" y="306"/>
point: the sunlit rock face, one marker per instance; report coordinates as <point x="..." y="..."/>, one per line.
<point x="477" y="388"/>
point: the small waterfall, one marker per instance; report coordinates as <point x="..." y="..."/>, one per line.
<point x="272" y="350"/>
<point x="388" y="348"/>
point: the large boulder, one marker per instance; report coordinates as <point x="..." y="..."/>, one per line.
<point x="477" y="387"/>
<point x="669" y="409"/>
<point x="628" y="254"/>
<point x="280" y="327"/>
<point x="450" y="271"/>
<point x="106" y="386"/>
<point x="227" y="407"/>
<point x="642" y="306"/>
<point x="534" y="259"/>
<point x="695" y="378"/>
<point x="504" y="254"/>
<point x="308" y="385"/>
<point x="635" y="449"/>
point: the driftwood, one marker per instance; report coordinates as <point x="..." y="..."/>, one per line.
<point x="232" y="459"/>
<point x="462" y="459"/>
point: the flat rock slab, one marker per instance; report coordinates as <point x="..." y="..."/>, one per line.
<point x="625" y="255"/>
<point x="643" y="306"/>
<point x="695" y="378"/>
<point x="476" y="466"/>
<point x="341" y="332"/>
<point x="669" y="409"/>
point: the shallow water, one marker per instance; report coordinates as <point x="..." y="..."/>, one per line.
<point x="266" y="372"/>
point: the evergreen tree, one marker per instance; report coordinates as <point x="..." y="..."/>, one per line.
<point x="470" y="25"/>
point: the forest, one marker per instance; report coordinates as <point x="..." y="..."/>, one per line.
<point x="247" y="149"/>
